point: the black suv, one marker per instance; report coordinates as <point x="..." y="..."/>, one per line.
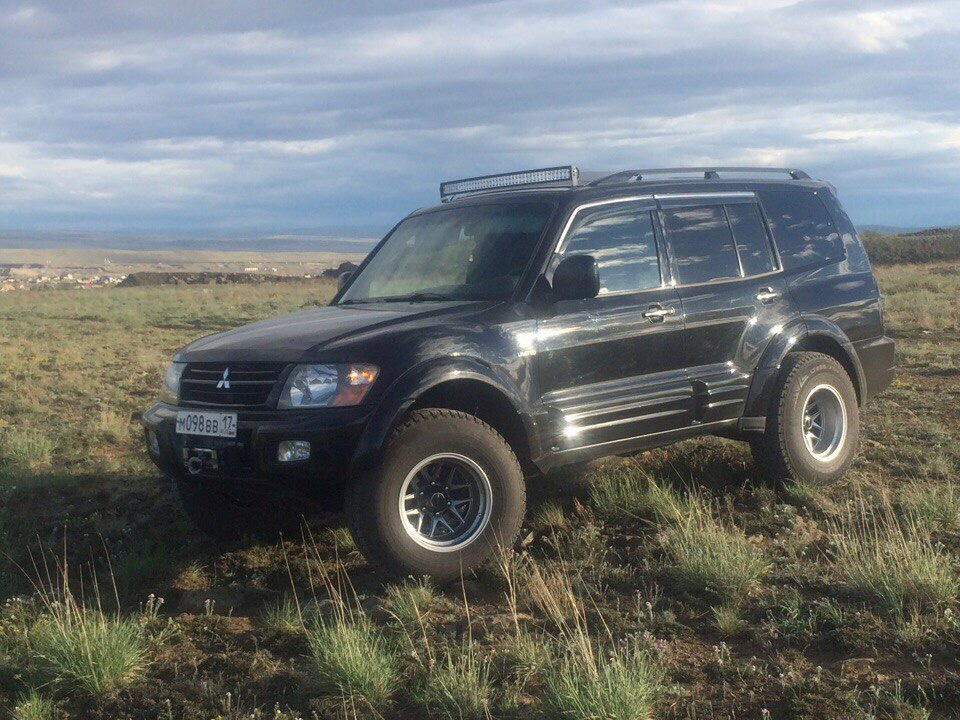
<point x="530" y="322"/>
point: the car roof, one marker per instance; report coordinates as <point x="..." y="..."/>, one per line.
<point x="582" y="194"/>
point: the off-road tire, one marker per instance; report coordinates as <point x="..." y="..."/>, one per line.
<point x="227" y="519"/>
<point x="781" y="454"/>
<point x="372" y="499"/>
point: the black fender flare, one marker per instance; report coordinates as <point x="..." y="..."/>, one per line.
<point x="810" y="332"/>
<point x="405" y="390"/>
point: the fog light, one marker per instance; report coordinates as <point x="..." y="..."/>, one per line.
<point x="293" y="450"/>
<point x="153" y="443"/>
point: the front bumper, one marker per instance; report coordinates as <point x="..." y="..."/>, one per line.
<point x="249" y="461"/>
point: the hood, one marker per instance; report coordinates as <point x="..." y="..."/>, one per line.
<point x="291" y="338"/>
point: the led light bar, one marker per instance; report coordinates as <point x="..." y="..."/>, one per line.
<point x="565" y="176"/>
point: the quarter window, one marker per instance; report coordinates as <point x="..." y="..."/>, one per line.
<point x="753" y="245"/>
<point x="702" y="244"/>
<point x="802" y="229"/>
<point x="620" y="238"/>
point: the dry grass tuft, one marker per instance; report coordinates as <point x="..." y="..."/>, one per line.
<point x="708" y="555"/>
<point x="892" y="564"/>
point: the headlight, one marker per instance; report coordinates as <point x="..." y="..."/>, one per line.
<point x="327" y="385"/>
<point x="170" y="393"/>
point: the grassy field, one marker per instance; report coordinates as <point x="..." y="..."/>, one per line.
<point x="680" y="587"/>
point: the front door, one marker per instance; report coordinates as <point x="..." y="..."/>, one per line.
<point x="610" y="368"/>
<point x="733" y="296"/>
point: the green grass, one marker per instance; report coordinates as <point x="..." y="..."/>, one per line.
<point x="630" y="493"/>
<point x="288" y="616"/>
<point x="727" y="620"/>
<point x="934" y="506"/>
<point x="459" y="685"/>
<point x="24" y="451"/>
<point x="34" y="706"/>
<point x="412" y="602"/>
<point x="352" y="656"/>
<point x="893" y="564"/>
<point x="612" y="606"/>
<point x="708" y="555"/>
<point x="622" y="685"/>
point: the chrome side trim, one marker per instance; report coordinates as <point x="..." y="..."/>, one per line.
<point x="578" y="448"/>
<point x="612" y="407"/>
<point x="631" y="419"/>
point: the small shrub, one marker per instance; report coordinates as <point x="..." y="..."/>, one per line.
<point x="622" y="685"/>
<point x="353" y="657"/>
<point x="710" y="556"/>
<point x="459" y="686"/>
<point x="896" y="567"/>
<point x="527" y="655"/>
<point x="727" y="620"/>
<point x="86" y="649"/>
<point x="24" y="450"/>
<point x="411" y="602"/>
<point x="34" y="706"/>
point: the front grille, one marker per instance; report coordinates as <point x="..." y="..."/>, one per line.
<point x="250" y="383"/>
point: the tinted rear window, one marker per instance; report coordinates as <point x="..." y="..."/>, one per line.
<point x="702" y="244"/>
<point x="802" y="228"/>
<point x="753" y="245"/>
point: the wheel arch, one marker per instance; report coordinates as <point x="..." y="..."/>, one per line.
<point x="809" y="335"/>
<point x="463" y="384"/>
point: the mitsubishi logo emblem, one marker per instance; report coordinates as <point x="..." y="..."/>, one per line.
<point x="224" y="383"/>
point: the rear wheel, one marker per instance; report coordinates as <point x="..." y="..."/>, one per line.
<point x="227" y="517"/>
<point x="813" y="427"/>
<point x="447" y="492"/>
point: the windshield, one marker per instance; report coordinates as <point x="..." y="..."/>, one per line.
<point x="458" y="253"/>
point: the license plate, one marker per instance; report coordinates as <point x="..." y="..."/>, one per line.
<point x="211" y="424"/>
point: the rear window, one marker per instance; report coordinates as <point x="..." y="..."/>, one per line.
<point x="702" y="244"/>
<point x="802" y="228"/>
<point x="753" y="245"/>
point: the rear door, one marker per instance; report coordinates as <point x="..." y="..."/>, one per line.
<point x="732" y="292"/>
<point x="610" y="368"/>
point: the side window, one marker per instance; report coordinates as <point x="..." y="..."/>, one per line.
<point x="620" y="238"/>
<point x="802" y="228"/>
<point x="753" y="245"/>
<point x="702" y="244"/>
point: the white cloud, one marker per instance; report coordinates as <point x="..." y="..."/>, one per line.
<point x="115" y="110"/>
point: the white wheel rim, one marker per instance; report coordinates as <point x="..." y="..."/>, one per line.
<point x="445" y="502"/>
<point x="823" y="422"/>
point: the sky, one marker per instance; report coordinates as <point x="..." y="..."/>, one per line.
<point x="207" y="115"/>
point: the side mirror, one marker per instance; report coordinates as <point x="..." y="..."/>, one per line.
<point x="576" y="278"/>
<point x="343" y="278"/>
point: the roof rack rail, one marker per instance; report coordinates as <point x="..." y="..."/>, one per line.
<point x="709" y="173"/>
<point x="563" y="176"/>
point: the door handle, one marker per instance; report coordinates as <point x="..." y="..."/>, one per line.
<point x="767" y="294"/>
<point x="657" y="313"/>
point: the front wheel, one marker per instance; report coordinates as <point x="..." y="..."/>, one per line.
<point x="813" y="427"/>
<point x="446" y="494"/>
